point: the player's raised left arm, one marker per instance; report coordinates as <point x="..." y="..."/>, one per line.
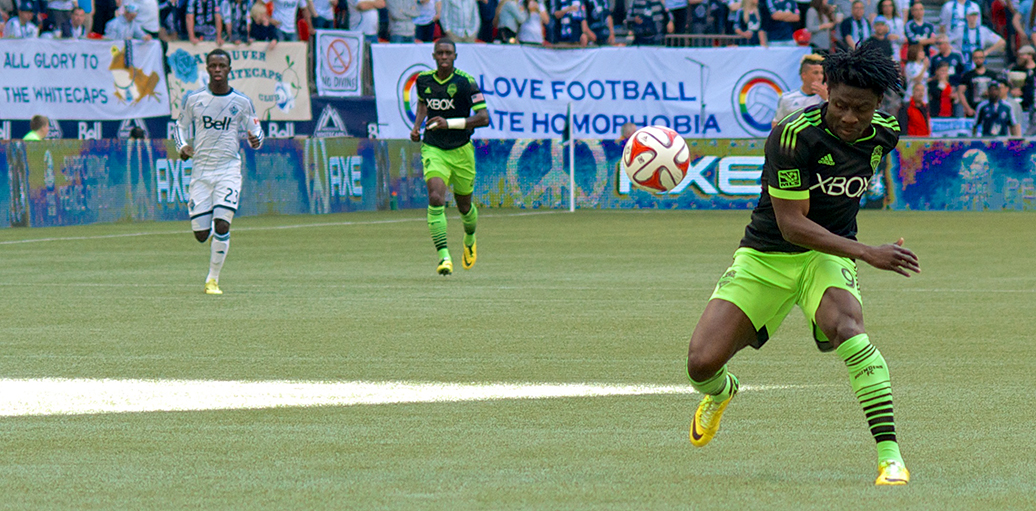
<point x="798" y="229"/>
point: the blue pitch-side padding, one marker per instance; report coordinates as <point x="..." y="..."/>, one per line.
<point x="72" y="182"/>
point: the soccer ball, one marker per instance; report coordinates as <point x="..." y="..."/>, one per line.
<point x="656" y="158"/>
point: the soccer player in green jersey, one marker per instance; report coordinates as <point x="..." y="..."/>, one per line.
<point x="800" y="248"/>
<point x="446" y="96"/>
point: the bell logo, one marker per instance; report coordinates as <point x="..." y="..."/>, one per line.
<point x="441" y="104"/>
<point x="210" y="124"/>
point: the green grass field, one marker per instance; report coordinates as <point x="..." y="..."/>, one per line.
<point x="602" y="297"/>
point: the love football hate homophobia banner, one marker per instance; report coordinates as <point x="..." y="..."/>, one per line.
<point x="275" y="80"/>
<point x="82" y="79"/>
<point x="700" y="93"/>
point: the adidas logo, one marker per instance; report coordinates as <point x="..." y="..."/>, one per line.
<point x="827" y="160"/>
<point x="427" y="90"/>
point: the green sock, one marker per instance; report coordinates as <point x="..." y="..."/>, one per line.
<point x="721" y="386"/>
<point x="869" y="376"/>
<point x="470" y="221"/>
<point x="437" y="227"/>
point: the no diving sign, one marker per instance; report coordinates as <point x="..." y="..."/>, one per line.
<point x="339" y="62"/>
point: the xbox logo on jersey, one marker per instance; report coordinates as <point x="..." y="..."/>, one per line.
<point x="406" y="92"/>
<point x="754" y="99"/>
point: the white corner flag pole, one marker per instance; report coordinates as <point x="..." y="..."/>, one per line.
<point x="571" y="162"/>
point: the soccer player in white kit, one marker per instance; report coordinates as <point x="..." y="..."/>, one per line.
<point x="219" y="115"/>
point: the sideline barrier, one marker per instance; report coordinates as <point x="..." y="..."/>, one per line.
<point x="73" y="182"/>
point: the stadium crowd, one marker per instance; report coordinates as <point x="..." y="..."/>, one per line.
<point x="950" y="55"/>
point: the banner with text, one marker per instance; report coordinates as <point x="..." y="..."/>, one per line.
<point x="274" y="79"/>
<point x="339" y="65"/>
<point x="700" y="93"/>
<point x="91" y="80"/>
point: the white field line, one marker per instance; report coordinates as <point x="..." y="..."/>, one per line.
<point x="57" y="396"/>
<point x="267" y="228"/>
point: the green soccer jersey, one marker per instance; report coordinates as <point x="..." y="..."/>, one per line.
<point x="454" y="97"/>
<point x="805" y="160"/>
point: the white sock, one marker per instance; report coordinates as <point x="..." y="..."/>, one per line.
<point x="220" y="246"/>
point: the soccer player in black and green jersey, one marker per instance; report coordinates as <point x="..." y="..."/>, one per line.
<point x="800" y="248"/>
<point x="447" y="95"/>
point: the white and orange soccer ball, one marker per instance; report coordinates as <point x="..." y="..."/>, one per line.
<point x="656" y="158"/>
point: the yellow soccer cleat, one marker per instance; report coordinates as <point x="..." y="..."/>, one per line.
<point x="892" y="473"/>
<point x="706" y="420"/>
<point x="445" y="267"/>
<point x="470" y="255"/>
<point x="212" y="287"/>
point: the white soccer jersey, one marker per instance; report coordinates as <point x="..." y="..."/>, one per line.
<point x="219" y="123"/>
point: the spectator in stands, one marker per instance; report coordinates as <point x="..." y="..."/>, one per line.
<point x="147" y="15"/>
<point x="285" y="12"/>
<point x="39" y="127"/>
<point x="821" y="19"/>
<point x="681" y="12"/>
<point x="748" y="23"/>
<point x="916" y="69"/>
<point x="812" y="92"/>
<point x="896" y="26"/>
<point x="943" y="100"/>
<point x="598" y="25"/>
<point x="486" y="13"/>
<point x="950" y="56"/>
<point x="649" y="21"/>
<point x="59" y="11"/>
<point x="104" y="11"/>
<point x="262" y="29"/>
<point x="974" y="83"/>
<point x="167" y="29"/>
<point x="915" y="113"/>
<point x="401" y="20"/>
<point x="975" y="36"/>
<point x="855" y="28"/>
<point x="531" y="32"/>
<point x="22" y="26"/>
<point x="460" y="20"/>
<point x="570" y="19"/>
<point x="236" y="15"/>
<point x="71" y="29"/>
<point x="510" y="14"/>
<point x="203" y="16"/>
<point x="952" y="15"/>
<point x="780" y="19"/>
<point x="994" y="117"/>
<point x="1023" y="78"/>
<point x="6" y="11"/>
<point x="427" y="16"/>
<point x="126" y="26"/>
<point x="917" y="30"/>
<point x="322" y="12"/>
<point x="880" y="36"/>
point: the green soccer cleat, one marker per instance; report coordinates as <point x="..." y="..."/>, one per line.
<point x="445" y="267"/>
<point x="892" y="473"/>
<point x="212" y="287"/>
<point x="705" y="424"/>
<point x="470" y="255"/>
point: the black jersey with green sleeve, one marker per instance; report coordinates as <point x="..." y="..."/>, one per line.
<point x="805" y="160"/>
<point x="456" y="96"/>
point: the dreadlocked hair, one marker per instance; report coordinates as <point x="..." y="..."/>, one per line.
<point x="864" y="68"/>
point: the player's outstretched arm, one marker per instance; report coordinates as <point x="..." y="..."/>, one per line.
<point x="796" y="228"/>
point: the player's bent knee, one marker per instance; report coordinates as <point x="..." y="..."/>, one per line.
<point x="201" y="236"/>
<point x="222" y="227"/>
<point x="702" y="365"/>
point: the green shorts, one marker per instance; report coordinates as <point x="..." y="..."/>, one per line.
<point x="765" y="285"/>
<point x="456" y="167"/>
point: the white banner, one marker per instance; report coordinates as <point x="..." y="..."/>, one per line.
<point x="528" y="89"/>
<point x="81" y="79"/>
<point x="339" y="66"/>
<point x="275" y="80"/>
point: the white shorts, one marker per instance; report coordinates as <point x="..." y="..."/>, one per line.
<point x="213" y="196"/>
